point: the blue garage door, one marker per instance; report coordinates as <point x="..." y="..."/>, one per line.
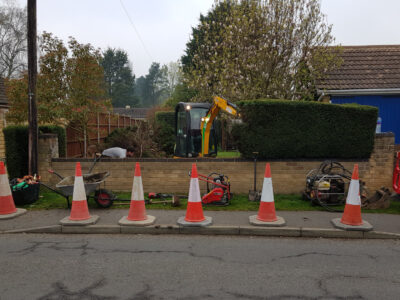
<point x="389" y="110"/>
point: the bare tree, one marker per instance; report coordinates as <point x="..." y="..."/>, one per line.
<point x="13" y="39"/>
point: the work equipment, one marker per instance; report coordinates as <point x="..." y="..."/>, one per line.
<point x="218" y="189"/>
<point x="194" y="130"/>
<point x="104" y="198"/>
<point x="326" y="186"/>
<point x="255" y="195"/>
<point x="175" y="201"/>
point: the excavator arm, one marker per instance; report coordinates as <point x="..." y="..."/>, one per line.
<point x="206" y="122"/>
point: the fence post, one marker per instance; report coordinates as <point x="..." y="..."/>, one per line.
<point x="98" y="128"/>
<point x="109" y="123"/>
<point x="118" y="120"/>
<point x="84" y="142"/>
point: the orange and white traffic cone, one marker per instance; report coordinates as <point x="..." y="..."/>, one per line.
<point x="79" y="207"/>
<point x="7" y="206"/>
<point x="194" y="212"/>
<point x="266" y="212"/>
<point x="137" y="211"/>
<point x="351" y="218"/>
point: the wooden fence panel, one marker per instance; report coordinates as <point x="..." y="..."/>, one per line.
<point x="100" y="126"/>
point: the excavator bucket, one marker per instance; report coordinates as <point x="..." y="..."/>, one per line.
<point x="380" y="200"/>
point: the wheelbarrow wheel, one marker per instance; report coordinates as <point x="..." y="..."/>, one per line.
<point x="104" y="198"/>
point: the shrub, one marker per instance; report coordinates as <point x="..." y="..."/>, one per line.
<point x="16" y="140"/>
<point x="121" y="137"/>
<point x="302" y="129"/>
<point x="165" y="131"/>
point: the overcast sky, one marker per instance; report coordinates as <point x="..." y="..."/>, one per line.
<point x="158" y="30"/>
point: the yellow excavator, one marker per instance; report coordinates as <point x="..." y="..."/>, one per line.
<point x="194" y="127"/>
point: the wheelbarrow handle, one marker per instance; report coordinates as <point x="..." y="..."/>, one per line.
<point x="55" y="173"/>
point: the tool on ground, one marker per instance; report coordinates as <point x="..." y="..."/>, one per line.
<point x="194" y="130"/>
<point x="218" y="189"/>
<point x="255" y="195"/>
<point x="175" y="201"/>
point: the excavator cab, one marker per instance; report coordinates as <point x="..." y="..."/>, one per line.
<point x="188" y="118"/>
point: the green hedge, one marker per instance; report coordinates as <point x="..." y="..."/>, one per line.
<point x="16" y="140"/>
<point x="303" y="129"/>
<point x="165" y="131"/>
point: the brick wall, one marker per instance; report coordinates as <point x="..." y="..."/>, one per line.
<point x="171" y="175"/>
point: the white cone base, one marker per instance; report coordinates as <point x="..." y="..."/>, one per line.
<point x="278" y="223"/>
<point x="125" y="222"/>
<point x="208" y="221"/>
<point x="19" y="212"/>
<point x="365" y="226"/>
<point x="67" y="222"/>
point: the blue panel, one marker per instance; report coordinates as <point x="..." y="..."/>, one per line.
<point x="389" y="109"/>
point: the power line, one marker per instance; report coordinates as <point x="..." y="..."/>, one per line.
<point x="136" y="31"/>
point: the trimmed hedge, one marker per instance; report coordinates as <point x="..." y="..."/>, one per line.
<point x="302" y="129"/>
<point x="165" y="131"/>
<point x="16" y="140"/>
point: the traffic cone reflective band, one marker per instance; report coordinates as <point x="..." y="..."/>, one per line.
<point x="137" y="210"/>
<point x="266" y="211"/>
<point x="7" y="205"/>
<point x="194" y="211"/>
<point x="79" y="208"/>
<point x="352" y="210"/>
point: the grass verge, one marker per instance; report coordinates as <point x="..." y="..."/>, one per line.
<point x="51" y="200"/>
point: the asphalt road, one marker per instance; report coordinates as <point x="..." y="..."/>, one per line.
<point x="196" y="267"/>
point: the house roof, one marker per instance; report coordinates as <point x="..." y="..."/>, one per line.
<point x="135" y="113"/>
<point x="366" y="68"/>
<point x="3" y="98"/>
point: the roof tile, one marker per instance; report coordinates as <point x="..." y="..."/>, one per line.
<point x="365" y="67"/>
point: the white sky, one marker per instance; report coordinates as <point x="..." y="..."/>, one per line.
<point x="165" y="25"/>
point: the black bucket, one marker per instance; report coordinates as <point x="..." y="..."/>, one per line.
<point x="27" y="195"/>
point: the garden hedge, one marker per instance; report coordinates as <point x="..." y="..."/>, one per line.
<point x="16" y="140"/>
<point x="165" y="131"/>
<point x="302" y="129"/>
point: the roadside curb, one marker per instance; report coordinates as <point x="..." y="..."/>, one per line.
<point x="210" y="230"/>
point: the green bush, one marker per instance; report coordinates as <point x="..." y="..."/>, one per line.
<point x="165" y="131"/>
<point x="122" y="137"/>
<point x="302" y="129"/>
<point x="16" y="140"/>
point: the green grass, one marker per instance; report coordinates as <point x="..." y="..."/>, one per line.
<point x="228" y="154"/>
<point x="51" y="200"/>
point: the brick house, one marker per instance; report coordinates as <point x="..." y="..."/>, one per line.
<point x="369" y="75"/>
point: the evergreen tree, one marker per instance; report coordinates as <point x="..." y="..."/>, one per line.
<point x="120" y="82"/>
